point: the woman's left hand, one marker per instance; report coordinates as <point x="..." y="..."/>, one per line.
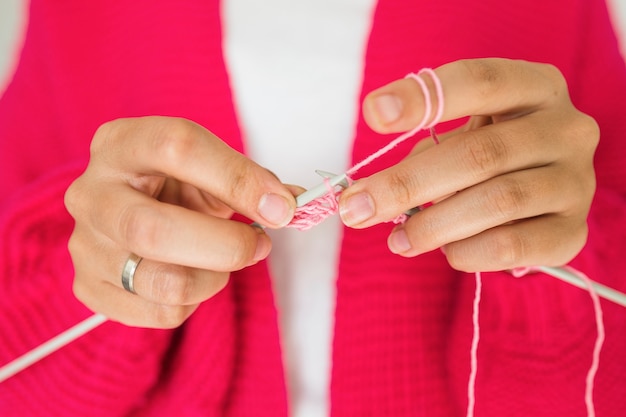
<point x="512" y="187"/>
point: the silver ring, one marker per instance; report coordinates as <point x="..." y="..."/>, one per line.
<point x="128" y="273"/>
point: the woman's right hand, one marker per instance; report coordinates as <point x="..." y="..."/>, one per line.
<point x="165" y="189"/>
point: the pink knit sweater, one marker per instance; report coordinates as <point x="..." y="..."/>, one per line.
<point x="403" y="326"/>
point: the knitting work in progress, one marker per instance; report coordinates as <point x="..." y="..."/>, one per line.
<point x="323" y="207"/>
<point x="318" y="210"/>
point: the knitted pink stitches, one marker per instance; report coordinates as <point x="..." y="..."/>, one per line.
<point x="318" y="210"/>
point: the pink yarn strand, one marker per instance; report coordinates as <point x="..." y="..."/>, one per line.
<point x="471" y="385"/>
<point x="439" y="95"/>
<point x="422" y="125"/>
<point x="321" y="208"/>
<point x="597" y="348"/>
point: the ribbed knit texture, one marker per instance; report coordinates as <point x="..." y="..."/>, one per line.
<point x="403" y="326"/>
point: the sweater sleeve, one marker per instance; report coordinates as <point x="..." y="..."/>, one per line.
<point x="36" y="303"/>
<point x="81" y="65"/>
<point x="106" y="372"/>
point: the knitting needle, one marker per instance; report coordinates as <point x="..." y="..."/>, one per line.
<point x="603" y="291"/>
<point x="321" y="189"/>
<point x="50" y="346"/>
<point x="325" y="174"/>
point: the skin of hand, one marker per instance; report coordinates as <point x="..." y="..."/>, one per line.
<point x="165" y="189"/>
<point x="511" y="188"/>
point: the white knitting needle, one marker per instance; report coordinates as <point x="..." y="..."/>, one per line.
<point x="321" y="189"/>
<point x="603" y="291"/>
<point x="52" y="345"/>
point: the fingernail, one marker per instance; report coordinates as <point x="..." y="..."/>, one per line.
<point x="388" y="108"/>
<point x="275" y="209"/>
<point x="263" y="247"/>
<point x="399" y="241"/>
<point x="357" y="209"/>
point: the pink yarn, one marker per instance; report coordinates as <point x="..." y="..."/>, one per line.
<point x="595" y="362"/>
<point x="433" y="135"/>
<point x="422" y="125"/>
<point x="597" y="348"/>
<point x="471" y="385"/>
<point x="400" y="219"/>
<point x="321" y="208"/>
<point x="316" y="211"/>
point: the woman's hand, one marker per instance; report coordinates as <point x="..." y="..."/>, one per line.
<point x="164" y="189"/>
<point x="511" y="188"/>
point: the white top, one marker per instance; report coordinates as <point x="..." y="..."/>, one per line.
<point x="296" y="71"/>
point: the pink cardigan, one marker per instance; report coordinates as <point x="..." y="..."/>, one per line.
<point x="403" y="326"/>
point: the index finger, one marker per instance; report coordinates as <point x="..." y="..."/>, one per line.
<point x="183" y="150"/>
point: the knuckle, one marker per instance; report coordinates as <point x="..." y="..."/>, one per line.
<point x="586" y="131"/>
<point x="556" y="79"/>
<point x="508" y="247"/>
<point x="484" y="152"/>
<point x="78" y="198"/>
<point x="85" y="291"/>
<point x="578" y="240"/>
<point x="170" y="285"/>
<point x="592" y="128"/>
<point x="589" y="187"/>
<point x="102" y="135"/>
<point x="486" y="73"/>
<point x="429" y="229"/>
<point x="552" y="71"/>
<point x="241" y="177"/>
<point x="168" y="317"/>
<point x="140" y="227"/>
<point x="458" y="263"/>
<point x="507" y="198"/>
<point x="569" y="240"/>
<point x="237" y="259"/>
<point x="239" y="253"/>
<point x="578" y="192"/>
<point x="485" y="70"/>
<point x="80" y="291"/>
<point x="402" y="186"/>
<point x="73" y="245"/>
<point x="459" y="257"/>
<point x="178" y="143"/>
<point x="71" y="198"/>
